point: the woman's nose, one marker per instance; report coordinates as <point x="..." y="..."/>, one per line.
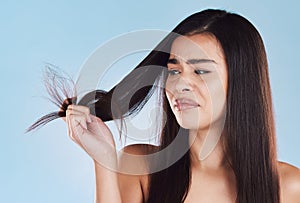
<point x="183" y="85"/>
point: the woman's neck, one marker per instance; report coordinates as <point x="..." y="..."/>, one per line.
<point x="207" y="151"/>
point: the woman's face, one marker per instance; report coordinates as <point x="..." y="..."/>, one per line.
<point x="196" y="85"/>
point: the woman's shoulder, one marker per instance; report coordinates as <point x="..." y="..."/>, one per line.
<point x="140" y="149"/>
<point x="289" y="182"/>
<point x="133" y="159"/>
<point x="140" y="181"/>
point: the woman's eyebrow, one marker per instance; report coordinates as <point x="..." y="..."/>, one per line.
<point x="191" y="61"/>
<point x="173" y="61"/>
<point x="196" y="61"/>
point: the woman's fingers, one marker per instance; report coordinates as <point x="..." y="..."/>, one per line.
<point x="78" y="119"/>
<point x="77" y="124"/>
<point x="73" y="126"/>
<point x="78" y="115"/>
<point x="97" y="126"/>
<point x="91" y="134"/>
<point x="82" y="109"/>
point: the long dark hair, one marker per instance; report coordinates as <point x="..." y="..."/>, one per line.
<point x="250" y="143"/>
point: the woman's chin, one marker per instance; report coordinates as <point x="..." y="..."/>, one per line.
<point x="194" y="126"/>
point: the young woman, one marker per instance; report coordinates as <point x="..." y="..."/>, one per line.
<point x="216" y="87"/>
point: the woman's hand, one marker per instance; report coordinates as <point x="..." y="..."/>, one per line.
<point x="95" y="138"/>
<point x="92" y="134"/>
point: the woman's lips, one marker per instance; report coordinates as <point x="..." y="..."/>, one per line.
<point x="184" y="104"/>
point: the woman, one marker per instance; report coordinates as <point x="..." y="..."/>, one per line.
<point x="216" y="87"/>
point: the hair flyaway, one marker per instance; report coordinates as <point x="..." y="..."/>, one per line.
<point x="250" y="143"/>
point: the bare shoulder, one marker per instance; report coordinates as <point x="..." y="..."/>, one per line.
<point x="133" y="159"/>
<point x="140" y="149"/>
<point x="289" y="182"/>
<point x="133" y="172"/>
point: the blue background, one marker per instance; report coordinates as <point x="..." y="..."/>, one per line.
<point x="46" y="166"/>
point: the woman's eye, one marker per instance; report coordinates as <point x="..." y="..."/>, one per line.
<point x="173" y="72"/>
<point x="200" y="72"/>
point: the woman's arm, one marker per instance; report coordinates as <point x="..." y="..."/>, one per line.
<point x="95" y="138"/>
<point x="131" y="188"/>
<point x="107" y="188"/>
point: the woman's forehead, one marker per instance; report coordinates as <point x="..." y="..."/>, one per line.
<point x="200" y="46"/>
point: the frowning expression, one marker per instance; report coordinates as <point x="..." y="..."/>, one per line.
<point x="196" y="85"/>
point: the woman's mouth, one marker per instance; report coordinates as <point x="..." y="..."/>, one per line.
<point x="185" y="104"/>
